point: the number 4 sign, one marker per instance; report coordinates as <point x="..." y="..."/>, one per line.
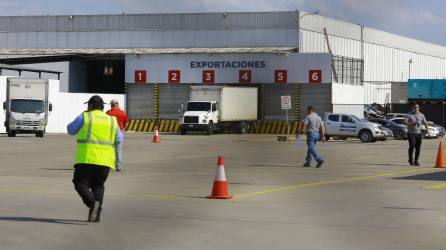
<point x="244" y="76"/>
<point x="174" y="76"/>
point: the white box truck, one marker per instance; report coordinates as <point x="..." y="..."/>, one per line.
<point x="213" y="108"/>
<point x="26" y="106"/>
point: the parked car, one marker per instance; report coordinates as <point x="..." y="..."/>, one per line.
<point x="433" y="131"/>
<point x="399" y="130"/>
<point x="395" y="115"/>
<point x="441" y="129"/>
<point x="345" y="125"/>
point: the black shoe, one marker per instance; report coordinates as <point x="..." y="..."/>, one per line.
<point x="417" y="163"/>
<point x="94" y="211"/>
<point x="319" y="164"/>
<point x="119" y="169"/>
<point x="306" y="166"/>
<point x="410" y="162"/>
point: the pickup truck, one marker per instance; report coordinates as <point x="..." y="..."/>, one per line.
<point x="345" y="125"/>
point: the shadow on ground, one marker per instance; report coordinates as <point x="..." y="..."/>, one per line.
<point x="436" y="176"/>
<point x="45" y="220"/>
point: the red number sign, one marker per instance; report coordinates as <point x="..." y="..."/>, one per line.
<point x="244" y="76"/>
<point x="140" y="76"/>
<point x="315" y="76"/>
<point x="208" y="76"/>
<point x="174" y="76"/>
<point x="280" y="76"/>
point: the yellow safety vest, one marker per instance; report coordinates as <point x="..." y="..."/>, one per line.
<point x="96" y="138"/>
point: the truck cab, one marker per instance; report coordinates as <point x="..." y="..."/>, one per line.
<point x="26" y="106"/>
<point x="199" y="115"/>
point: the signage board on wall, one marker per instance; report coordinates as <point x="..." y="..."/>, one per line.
<point x="312" y="68"/>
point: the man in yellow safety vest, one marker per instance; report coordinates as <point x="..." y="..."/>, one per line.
<point x="96" y="133"/>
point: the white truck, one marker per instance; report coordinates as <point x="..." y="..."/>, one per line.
<point x="213" y="108"/>
<point x="345" y="125"/>
<point x="26" y="106"/>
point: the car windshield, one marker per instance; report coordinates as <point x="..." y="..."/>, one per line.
<point x="27" y="106"/>
<point x="357" y="118"/>
<point x="392" y="123"/>
<point x="198" y="106"/>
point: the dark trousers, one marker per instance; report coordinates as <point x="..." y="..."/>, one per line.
<point x="414" y="144"/>
<point x="89" y="182"/>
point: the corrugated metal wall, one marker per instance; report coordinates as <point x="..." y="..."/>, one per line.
<point x="132" y="22"/>
<point x="171" y="97"/>
<point x="314" y="95"/>
<point x="273" y="105"/>
<point x="139" y="101"/>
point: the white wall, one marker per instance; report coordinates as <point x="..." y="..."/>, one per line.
<point x="66" y="106"/>
<point x="348" y="99"/>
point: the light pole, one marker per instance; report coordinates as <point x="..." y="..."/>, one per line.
<point x="410" y="62"/>
<point x="298" y="24"/>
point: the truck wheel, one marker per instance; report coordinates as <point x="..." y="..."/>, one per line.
<point x="343" y="138"/>
<point x="327" y="138"/>
<point x="182" y="131"/>
<point x="365" y="136"/>
<point x="210" y="129"/>
<point x="11" y="133"/>
<point x="39" y="134"/>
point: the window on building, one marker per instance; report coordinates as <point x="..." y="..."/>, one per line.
<point x="348" y="70"/>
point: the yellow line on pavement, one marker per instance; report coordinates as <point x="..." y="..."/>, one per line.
<point x="437" y="186"/>
<point x="322" y="183"/>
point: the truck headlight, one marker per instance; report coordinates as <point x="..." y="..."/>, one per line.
<point x="12" y="122"/>
<point x="41" y="122"/>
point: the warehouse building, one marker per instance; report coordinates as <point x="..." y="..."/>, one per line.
<point x="149" y="61"/>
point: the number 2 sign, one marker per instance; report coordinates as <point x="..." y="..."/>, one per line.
<point x="174" y="76"/>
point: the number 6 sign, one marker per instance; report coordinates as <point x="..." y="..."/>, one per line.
<point x="315" y="76"/>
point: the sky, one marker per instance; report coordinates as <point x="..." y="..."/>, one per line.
<point x="424" y="20"/>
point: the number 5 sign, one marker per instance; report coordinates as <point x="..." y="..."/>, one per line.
<point x="315" y="76"/>
<point x="280" y="76"/>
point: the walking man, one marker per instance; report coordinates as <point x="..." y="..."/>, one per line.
<point x="414" y="120"/>
<point x="122" y="120"/>
<point x="96" y="133"/>
<point x="315" y="131"/>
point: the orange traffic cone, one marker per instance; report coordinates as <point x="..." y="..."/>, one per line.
<point x="440" y="163"/>
<point x="156" y="136"/>
<point x="220" y="188"/>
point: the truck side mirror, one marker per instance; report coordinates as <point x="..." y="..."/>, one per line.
<point x="50" y="107"/>
<point x="4" y="105"/>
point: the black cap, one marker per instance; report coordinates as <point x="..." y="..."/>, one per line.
<point x="95" y="100"/>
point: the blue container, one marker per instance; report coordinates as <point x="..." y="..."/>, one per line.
<point x="420" y="89"/>
<point x="439" y="89"/>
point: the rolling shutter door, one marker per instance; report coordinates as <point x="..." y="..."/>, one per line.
<point x="139" y="100"/>
<point x="315" y="95"/>
<point x="273" y="106"/>
<point x="171" y="96"/>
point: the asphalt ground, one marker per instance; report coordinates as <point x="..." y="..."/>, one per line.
<point x="365" y="196"/>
